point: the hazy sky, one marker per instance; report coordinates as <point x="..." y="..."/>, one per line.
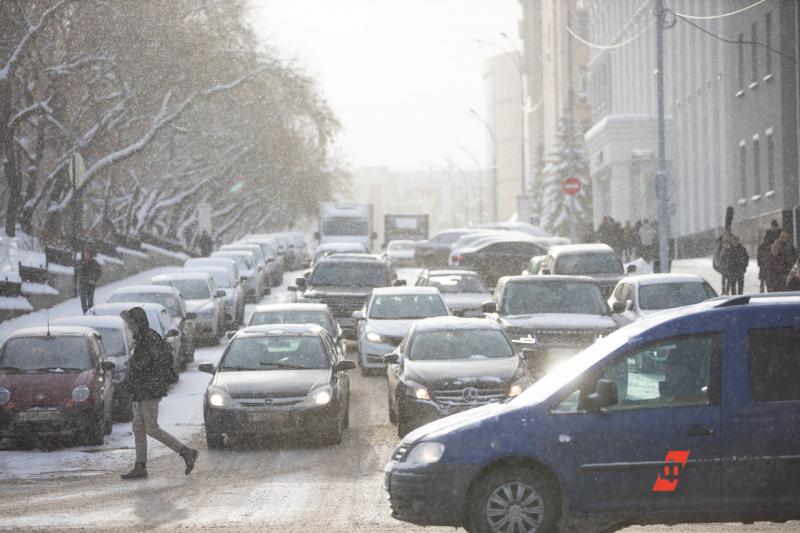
<point x="400" y="74"/>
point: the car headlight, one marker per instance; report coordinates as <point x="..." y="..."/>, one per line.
<point x="5" y="396"/>
<point x="81" y="393"/>
<point x="518" y="387"/>
<point x="415" y="390"/>
<point x="426" y="453"/>
<point x="374" y="337"/>
<point x="218" y="398"/>
<point x="321" y="396"/>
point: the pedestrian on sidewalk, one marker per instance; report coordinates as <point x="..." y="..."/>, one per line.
<point x="735" y="261"/>
<point x="761" y="258"/>
<point x="87" y="272"/>
<point x="776" y="269"/>
<point x="723" y="243"/>
<point x="150" y="373"/>
<point x="205" y="244"/>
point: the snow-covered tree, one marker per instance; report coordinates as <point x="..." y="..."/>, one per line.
<point x="560" y="210"/>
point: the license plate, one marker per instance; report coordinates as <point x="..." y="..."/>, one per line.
<point x="274" y="419"/>
<point x="37" y="416"/>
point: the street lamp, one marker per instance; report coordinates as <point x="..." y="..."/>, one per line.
<point x="494" y="160"/>
<point x="480" y="181"/>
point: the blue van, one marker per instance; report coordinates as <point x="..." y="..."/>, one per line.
<point x="711" y="432"/>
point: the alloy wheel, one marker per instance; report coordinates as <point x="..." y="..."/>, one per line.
<point x="515" y="507"/>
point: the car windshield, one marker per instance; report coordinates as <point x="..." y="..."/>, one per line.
<point x="345" y="226"/>
<point x="561" y="297"/>
<point x="350" y="274"/>
<point x="455" y="283"/>
<point x="169" y="302"/>
<point x="112" y="340"/>
<point x="670" y="295"/>
<point x="459" y="344"/>
<point x="293" y="317"/>
<point x="191" y="289"/>
<point x="406" y="306"/>
<point x="588" y="264"/>
<point x="275" y="353"/>
<point x="400" y="245"/>
<point x="222" y="278"/>
<point x="46" y="353"/>
<point x="244" y="262"/>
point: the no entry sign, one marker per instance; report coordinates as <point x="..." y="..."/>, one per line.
<point x="571" y="186"/>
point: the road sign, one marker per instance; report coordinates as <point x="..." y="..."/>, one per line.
<point x="571" y="186"/>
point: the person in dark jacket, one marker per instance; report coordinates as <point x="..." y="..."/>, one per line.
<point x="205" y="244"/>
<point x="149" y="376"/>
<point x="87" y="271"/>
<point x="761" y="258"/>
<point x="776" y="268"/>
<point x="735" y="261"/>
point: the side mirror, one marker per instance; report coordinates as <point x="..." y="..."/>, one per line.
<point x="618" y="308"/>
<point x="391" y="358"/>
<point x="629" y="305"/>
<point x="459" y="313"/>
<point x="358" y="315"/>
<point x="349" y="335"/>
<point x="231" y="333"/>
<point x="344" y="365"/>
<point x="107" y="366"/>
<point x="537" y="361"/>
<point x="631" y="269"/>
<point x="489" y="307"/>
<point x="191" y="316"/>
<point x="545" y="271"/>
<point x="399" y="283"/>
<point x="604" y="395"/>
<point x="173" y="333"/>
<point x="300" y="283"/>
<point x="208" y="368"/>
<point x="219" y="294"/>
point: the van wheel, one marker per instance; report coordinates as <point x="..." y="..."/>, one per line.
<point x="511" y="499"/>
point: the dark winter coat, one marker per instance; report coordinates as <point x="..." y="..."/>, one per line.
<point x="735" y="260"/>
<point x="205" y="244"/>
<point x="150" y="371"/>
<point x="775" y="276"/>
<point x="88" y="272"/>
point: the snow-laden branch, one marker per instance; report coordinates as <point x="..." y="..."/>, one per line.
<point x="71" y="66"/>
<point x="27" y="111"/>
<point x="33" y="29"/>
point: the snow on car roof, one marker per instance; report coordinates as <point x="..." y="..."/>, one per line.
<point x="269" y="308"/>
<point x="42" y="331"/>
<point x="152" y="289"/>
<point x="452" y="322"/>
<point x="597" y="247"/>
<point x="91" y="321"/>
<point x="282" y="329"/>
<point x="549" y="278"/>
<point x="342" y="246"/>
<point x="451" y="272"/>
<point x="348" y="257"/>
<point x="404" y="290"/>
<point x="654" y="279"/>
<point x="182" y="274"/>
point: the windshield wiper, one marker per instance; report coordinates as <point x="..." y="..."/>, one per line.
<point x="285" y="366"/>
<point x="11" y="369"/>
<point x="55" y="368"/>
<point x="235" y="368"/>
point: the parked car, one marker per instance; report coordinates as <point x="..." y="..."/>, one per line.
<point x="262" y="265"/>
<point x="234" y="294"/>
<point x="275" y="265"/>
<point x="55" y="382"/>
<point x="712" y="439"/>
<point x="157" y="318"/>
<point x="203" y="298"/>
<point x="635" y="297"/>
<point x="598" y="261"/>
<point x="463" y="291"/>
<point x="497" y="257"/>
<point x="558" y="315"/>
<point x="293" y="313"/>
<point x="447" y="365"/>
<point x="278" y="379"/>
<point x="400" y="252"/>
<point x="385" y="320"/>
<point x="248" y="272"/>
<point x="434" y="252"/>
<point x="344" y="282"/>
<point x="116" y="339"/>
<point x="329" y="248"/>
<point x="298" y="248"/>
<point x="478" y="238"/>
<point x="173" y="302"/>
<point x="534" y="266"/>
<point x="223" y="262"/>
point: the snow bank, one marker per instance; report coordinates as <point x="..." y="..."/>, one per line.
<point x="16" y="303"/>
<point x="55" y="268"/>
<point x="103" y="259"/>
<point x="134" y="253"/>
<point x="169" y="253"/>
<point x="38" y="288"/>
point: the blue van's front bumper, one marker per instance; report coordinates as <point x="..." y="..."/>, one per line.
<point x="428" y="495"/>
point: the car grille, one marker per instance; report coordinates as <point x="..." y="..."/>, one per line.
<point x="50" y="426"/>
<point x="270" y="400"/>
<point x="344" y="306"/>
<point x="469" y="396"/>
<point x="566" y="338"/>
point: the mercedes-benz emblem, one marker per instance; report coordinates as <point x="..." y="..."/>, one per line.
<point x="268" y="401"/>
<point x="470" y="394"/>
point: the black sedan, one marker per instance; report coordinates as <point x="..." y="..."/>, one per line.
<point x="446" y="365"/>
<point x="278" y="379"/>
<point x="495" y="258"/>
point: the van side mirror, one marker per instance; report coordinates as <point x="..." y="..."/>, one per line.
<point x="629" y="305"/>
<point x="344" y="365"/>
<point x="391" y="358"/>
<point x="220" y="293"/>
<point x="618" y="308"/>
<point x="208" y="368"/>
<point x="358" y="315"/>
<point x="489" y="307"/>
<point x="300" y="283"/>
<point x="604" y="395"/>
<point x="630" y="269"/>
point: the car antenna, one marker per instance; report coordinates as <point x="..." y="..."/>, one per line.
<point x="48" y="321"/>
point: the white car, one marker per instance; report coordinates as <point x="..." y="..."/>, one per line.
<point x="234" y="295"/>
<point x="337" y="248"/>
<point x="202" y="298"/>
<point x="636" y="297"/>
<point x="463" y="291"/>
<point x="248" y="270"/>
<point x="262" y="261"/>
<point x="400" y="252"/>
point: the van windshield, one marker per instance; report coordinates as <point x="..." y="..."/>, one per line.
<point x="588" y="264"/>
<point x="355" y="274"/>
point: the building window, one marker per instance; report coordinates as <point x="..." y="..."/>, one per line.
<point x="756" y="166"/>
<point x="754" y="50"/>
<point x="770" y="162"/>
<point x="768" y="39"/>
<point x="743" y="169"/>
<point x="741" y="60"/>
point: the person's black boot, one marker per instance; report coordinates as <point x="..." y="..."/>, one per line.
<point x="189" y="456"/>
<point x="139" y="472"/>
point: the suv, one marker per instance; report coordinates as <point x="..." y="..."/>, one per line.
<point x="702" y="442"/>
<point x="598" y="261"/>
<point x="344" y="282"/>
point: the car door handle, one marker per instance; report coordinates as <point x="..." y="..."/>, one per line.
<point x="700" y="431"/>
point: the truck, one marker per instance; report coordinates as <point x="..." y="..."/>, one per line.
<point x="404" y="227"/>
<point x="346" y="222"/>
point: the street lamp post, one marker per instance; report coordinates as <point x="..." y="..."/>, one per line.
<point x="480" y="181"/>
<point x="494" y="161"/>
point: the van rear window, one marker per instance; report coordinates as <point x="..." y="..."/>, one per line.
<point x="773" y="358"/>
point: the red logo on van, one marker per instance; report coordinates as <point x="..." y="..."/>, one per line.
<point x="674" y="462"/>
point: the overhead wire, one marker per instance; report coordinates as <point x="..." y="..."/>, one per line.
<point x="610" y="46"/>
<point x="723" y="15"/>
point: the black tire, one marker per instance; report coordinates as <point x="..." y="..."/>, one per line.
<point x="347" y="418"/>
<point x="335" y="434"/>
<point x="392" y="413"/>
<point x="215" y="441"/>
<point x="96" y="431"/>
<point x="538" y="488"/>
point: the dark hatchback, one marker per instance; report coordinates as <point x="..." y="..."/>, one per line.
<point x="55" y="382"/>
<point x="278" y="379"/>
<point x="435" y="251"/>
<point x="446" y="365"/>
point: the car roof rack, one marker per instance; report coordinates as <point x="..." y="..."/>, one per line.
<point x="746" y="298"/>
